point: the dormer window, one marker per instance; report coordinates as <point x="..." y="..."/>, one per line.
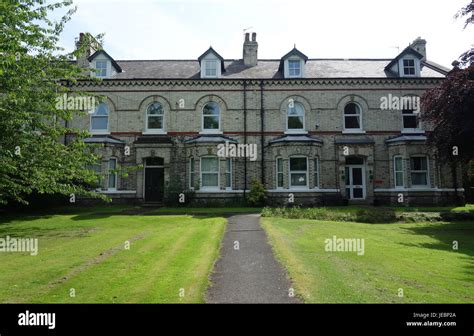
<point x="101" y="68"/>
<point x="409" y="67"/>
<point x="294" y="68"/>
<point x="210" y="68"/>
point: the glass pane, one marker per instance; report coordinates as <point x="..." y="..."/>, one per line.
<point x="228" y="165"/>
<point x="295" y="122"/>
<point x="155" y="108"/>
<point x="352" y="122"/>
<point x="298" y="180"/>
<point x="112" y="164"/>
<point x="99" y="123"/>
<point x="398" y="164"/>
<point x="211" y="122"/>
<point x="410" y="121"/>
<point x="296" y="110"/>
<point x="346" y="175"/>
<point x="357" y="193"/>
<point x="351" y="108"/>
<point x="280" y="180"/>
<point x="298" y="164"/>
<point x="211" y="109"/>
<point x="154" y="161"/>
<point x="227" y="180"/>
<point x="209" y="165"/>
<point x="280" y="165"/>
<point x="155" y="122"/>
<point x="399" y="179"/>
<point x="348" y="193"/>
<point x="418" y="163"/>
<point x="102" y="110"/>
<point x="357" y="176"/>
<point x="419" y="179"/>
<point x="209" y="180"/>
<point x="351" y="160"/>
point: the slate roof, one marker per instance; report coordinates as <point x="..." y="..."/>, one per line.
<point x="103" y="139"/>
<point x="210" y="138"/>
<point x="267" y="69"/>
<point x="408" y="137"/>
<point x="355" y="141"/>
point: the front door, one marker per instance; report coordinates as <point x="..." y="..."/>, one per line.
<point x="355" y="182"/>
<point x="154" y="182"/>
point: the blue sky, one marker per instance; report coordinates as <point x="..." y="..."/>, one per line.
<point x="159" y="29"/>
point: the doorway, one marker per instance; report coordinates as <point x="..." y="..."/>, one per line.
<point x="154" y="179"/>
<point x="355" y="178"/>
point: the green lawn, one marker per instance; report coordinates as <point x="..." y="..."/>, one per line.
<point x="417" y="258"/>
<point x="85" y="250"/>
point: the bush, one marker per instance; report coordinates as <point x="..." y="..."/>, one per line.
<point x="257" y="194"/>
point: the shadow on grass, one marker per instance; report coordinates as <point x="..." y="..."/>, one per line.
<point x="446" y="234"/>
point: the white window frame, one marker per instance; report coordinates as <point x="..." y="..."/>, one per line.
<point x="294" y="61"/>
<point x="278" y="173"/>
<point x="427" y="172"/>
<point x="192" y="172"/>
<point x="344" y="115"/>
<point x="99" y="71"/>
<point x="408" y="67"/>
<point x="316" y="172"/>
<point x="115" y="175"/>
<point x="395" y="171"/>
<point x="401" y="66"/>
<point x="94" y="115"/>
<point x="147" y="116"/>
<point x="290" y="172"/>
<point x="210" y="65"/>
<point x="228" y="173"/>
<point x="201" y="172"/>
<point x="211" y="130"/>
<point x="418" y="129"/>
<point x="295" y="130"/>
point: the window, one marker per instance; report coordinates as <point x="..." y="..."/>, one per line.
<point x="210" y="68"/>
<point x="409" y="67"/>
<point x="279" y="172"/>
<point x="154" y="117"/>
<point x="298" y="172"/>
<point x="410" y="119"/>
<point x="419" y="171"/>
<point x="294" y="68"/>
<point x="398" y="171"/>
<point x="211" y="117"/>
<point x="316" y="172"/>
<point x="191" y="173"/>
<point x="97" y="169"/>
<point x="100" y="118"/>
<point x="295" y="117"/>
<point x="352" y="117"/>
<point x="101" y="68"/>
<point x="209" y="173"/>
<point x="228" y="173"/>
<point x="112" y="174"/>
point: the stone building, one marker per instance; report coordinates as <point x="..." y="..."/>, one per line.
<point x="324" y="130"/>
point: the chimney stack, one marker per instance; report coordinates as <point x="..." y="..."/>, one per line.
<point x="250" y="50"/>
<point x="420" y="45"/>
<point x="92" y="45"/>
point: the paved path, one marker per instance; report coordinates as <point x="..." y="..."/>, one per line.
<point x="250" y="274"/>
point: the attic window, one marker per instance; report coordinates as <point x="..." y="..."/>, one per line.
<point x="409" y="67"/>
<point x="210" y="68"/>
<point x="294" y="68"/>
<point x="101" y="68"/>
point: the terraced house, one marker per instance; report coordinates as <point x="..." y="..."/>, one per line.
<point x="320" y="127"/>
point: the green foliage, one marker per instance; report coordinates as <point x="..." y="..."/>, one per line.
<point x="174" y="191"/>
<point x="33" y="73"/>
<point x="257" y="194"/>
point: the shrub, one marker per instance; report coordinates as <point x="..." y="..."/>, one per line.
<point x="257" y="194"/>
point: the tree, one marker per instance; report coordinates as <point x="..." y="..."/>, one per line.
<point x="449" y="108"/>
<point x="33" y="73"/>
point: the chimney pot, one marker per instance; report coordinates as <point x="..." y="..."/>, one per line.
<point x="250" y="50"/>
<point x="247" y="37"/>
<point x="254" y="37"/>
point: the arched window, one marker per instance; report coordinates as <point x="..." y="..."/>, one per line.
<point x="100" y="118"/>
<point x="211" y="114"/>
<point x="295" y="116"/>
<point x="352" y="117"/>
<point x="155" y="117"/>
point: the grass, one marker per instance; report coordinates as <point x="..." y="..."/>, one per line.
<point x="416" y="257"/>
<point x="85" y="250"/>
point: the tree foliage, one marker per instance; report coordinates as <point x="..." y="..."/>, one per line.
<point x="33" y="72"/>
<point x="467" y="12"/>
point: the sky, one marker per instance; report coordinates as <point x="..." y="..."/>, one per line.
<point x="184" y="29"/>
